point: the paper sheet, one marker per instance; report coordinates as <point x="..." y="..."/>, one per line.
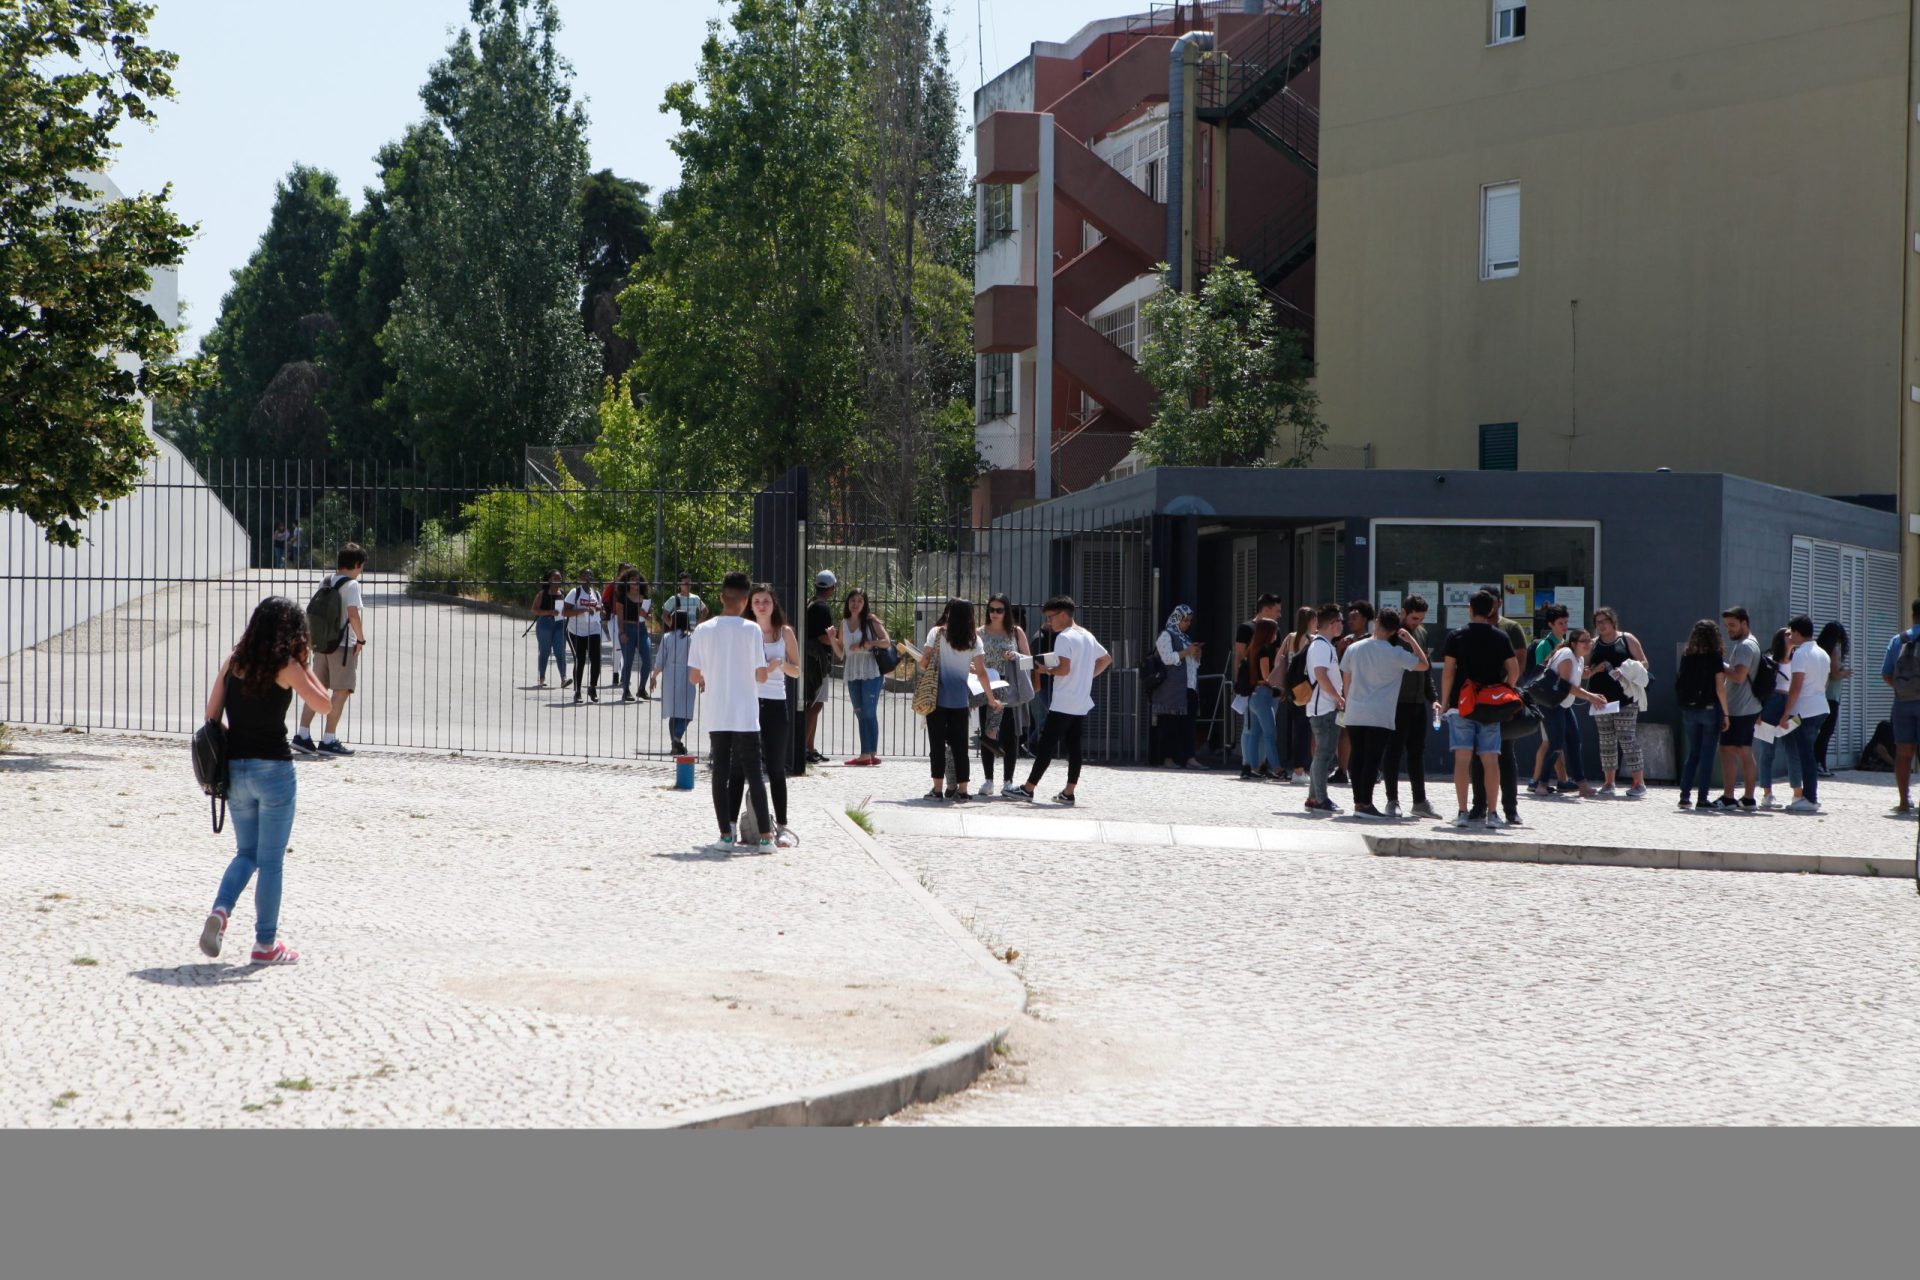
<point x="1611" y="709"/>
<point x="973" y="684"/>
<point x="1765" y="732"/>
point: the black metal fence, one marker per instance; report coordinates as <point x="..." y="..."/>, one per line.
<point x="127" y="632"/>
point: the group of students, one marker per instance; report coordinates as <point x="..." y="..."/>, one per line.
<point x="595" y="622"/>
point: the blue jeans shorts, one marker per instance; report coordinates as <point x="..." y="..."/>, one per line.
<point x="1470" y="735"/>
<point x="1906" y="723"/>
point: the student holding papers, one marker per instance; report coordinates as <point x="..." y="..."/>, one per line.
<point x="958" y="654"/>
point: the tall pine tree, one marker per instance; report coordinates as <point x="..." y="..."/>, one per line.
<point x="486" y="339"/>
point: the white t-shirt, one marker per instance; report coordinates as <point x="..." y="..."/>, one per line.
<point x="727" y="651"/>
<point x="582" y="624"/>
<point x="350" y="598"/>
<point x="1571" y="668"/>
<point x="1321" y="657"/>
<point x="1811" y="661"/>
<point x="1377" y="667"/>
<point x="1073" y="693"/>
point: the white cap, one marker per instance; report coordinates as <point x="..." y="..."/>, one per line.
<point x="825" y="580"/>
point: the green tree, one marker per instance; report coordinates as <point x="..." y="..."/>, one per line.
<point x="616" y="231"/>
<point x="366" y="408"/>
<point x="272" y="318"/>
<point x="486" y="338"/>
<point x="1232" y="381"/>
<point x="746" y="340"/>
<point x="74" y="266"/>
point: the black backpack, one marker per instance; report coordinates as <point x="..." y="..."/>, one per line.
<point x="1297" y="668"/>
<point x="210" y="769"/>
<point x="327" y="616"/>
<point x="1764" y="676"/>
<point x="1906" y="673"/>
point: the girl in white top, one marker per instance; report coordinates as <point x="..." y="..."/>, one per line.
<point x="855" y="640"/>
<point x="583" y="609"/>
<point x="782" y="651"/>
<point x="1569" y="662"/>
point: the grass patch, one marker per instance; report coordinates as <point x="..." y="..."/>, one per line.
<point x="65" y="1100"/>
<point x="861" y="817"/>
<point x="937" y="1041"/>
<point x="84" y="962"/>
<point x="6" y="739"/>
<point x="302" y="1085"/>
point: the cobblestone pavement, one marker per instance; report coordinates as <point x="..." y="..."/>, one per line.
<point x="485" y="943"/>
<point x="1192" y="986"/>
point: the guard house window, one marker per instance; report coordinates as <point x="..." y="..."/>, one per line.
<point x="996" y="223"/>
<point x="1500" y="231"/>
<point x="996" y="387"/>
<point x="1509" y="21"/>
<point x="1500" y="446"/>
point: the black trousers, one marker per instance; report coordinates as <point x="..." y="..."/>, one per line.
<point x="586" y="653"/>
<point x="1368" y="748"/>
<point x="1061" y="730"/>
<point x="1411" y="725"/>
<point x="776" y="743"/>
<point x="1006" y="744"/>
<point x="1509" y="794"/>
<point x="947" y="737"/>
<point x="1299" y="737"/>
<point x="736" y="771"/>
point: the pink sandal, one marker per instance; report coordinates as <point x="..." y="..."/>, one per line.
<point x="278" y="953"/>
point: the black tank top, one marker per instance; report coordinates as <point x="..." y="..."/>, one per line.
<point x="257" y="722"/>
<point x="547" y="599"/>
<point x="1613" y="654"/>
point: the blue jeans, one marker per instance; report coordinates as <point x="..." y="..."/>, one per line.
<point x="1805" y="741"/>
<point x="1563" y="739"/>
<point x="634" y="639"/>
<point x="551" y="635"/>
<point x="1326" y="744"/>
<point x="865" y="695"/>
<point x="260" y="796"/>
<point x="1702" y="726"/>
<point x="1763" y="752"/>
<point x="1260" y="743"/>
<point x="677" y="726"/>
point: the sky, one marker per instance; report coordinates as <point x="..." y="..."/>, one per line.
<point x="265" y="84"/>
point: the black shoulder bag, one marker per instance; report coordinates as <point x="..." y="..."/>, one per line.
<point x="210" y="769"/>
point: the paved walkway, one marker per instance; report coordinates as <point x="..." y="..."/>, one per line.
<point x="485" y="943"/>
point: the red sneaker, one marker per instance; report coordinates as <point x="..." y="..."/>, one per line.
<point x="278" y="953"/>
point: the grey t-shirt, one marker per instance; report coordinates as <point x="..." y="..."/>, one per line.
<point x="1376" y="667"/>
<point x="1740" y="699"/>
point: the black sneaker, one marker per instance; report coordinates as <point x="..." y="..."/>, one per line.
<point x="1367" y="811"/>
<point x="335" y="748"/>
<point x="301" y="742"/>
<point x="1478" y="814"/>
<point x="1339" y="779"/>
<point x="1065" y="798"/>
<point x="1748" y="802"/>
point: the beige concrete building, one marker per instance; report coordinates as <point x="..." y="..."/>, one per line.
<point x="1597" y="237"/>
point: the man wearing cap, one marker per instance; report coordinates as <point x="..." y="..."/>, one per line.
<point x="819" y="655"/>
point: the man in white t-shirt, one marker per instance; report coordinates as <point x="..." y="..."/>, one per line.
<point x="1076" y="659"/>
<point x="338" y="669"/>
<point x="1324" y="704"/>
<point x="727" y="663"/>
<point x="1809" y="666"/>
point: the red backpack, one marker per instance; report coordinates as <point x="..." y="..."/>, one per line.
<point x="1490" y="703"/>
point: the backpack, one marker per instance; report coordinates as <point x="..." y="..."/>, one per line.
<point x="1298" y="685"/>
<point x="327" y="616"/>
<point x="1764" y="676"/>
<point x="1880" y="751"/>
<point x="1906" y="673"/>
<point x="1491" y="703"/>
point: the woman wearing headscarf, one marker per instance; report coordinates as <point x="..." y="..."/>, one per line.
<point x="1178" y="689"/>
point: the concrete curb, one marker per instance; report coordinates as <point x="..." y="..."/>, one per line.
<point x="878" y="1094"/>
<point x="1668" y="859"/>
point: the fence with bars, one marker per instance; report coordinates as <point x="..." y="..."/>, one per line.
<point x="128" y="635"/>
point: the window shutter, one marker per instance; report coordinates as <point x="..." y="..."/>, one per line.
<point x="1500" y="231"/>
<point x="1500" y="446"/>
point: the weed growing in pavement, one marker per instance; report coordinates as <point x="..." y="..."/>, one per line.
<point x="862" y="816"/>
<point x="937" y="1041"/>
<point x="84" y="962"/>
<point x="302" y="1085"/>
<point x="65" y="1099"/>
<point x="6" y="739"/>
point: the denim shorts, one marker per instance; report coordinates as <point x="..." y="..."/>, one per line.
<point x="1906" y="723"/>
<point x="1470" y="735"/>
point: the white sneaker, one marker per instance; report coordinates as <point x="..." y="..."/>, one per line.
<point x="1393" y="808"/>
<point x="1803" y="805"/>
<point x="1495" y="822"/>
<point x="1768" y="802"/>
<point x="1463" y="820"/>
<point x="785" y="839"/>
<point x="1012" y="790"/>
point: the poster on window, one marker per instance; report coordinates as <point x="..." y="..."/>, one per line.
<point x="1518" y="596"/>
<point x="1575" y="598"/>
<point x="1388" y="600"/>
<point x="1457" y="599"/>
<point x="1428" y="591"/>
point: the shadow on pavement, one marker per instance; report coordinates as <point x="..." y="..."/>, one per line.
<point x="39" y="764"/>
<point x="200" y="975"/>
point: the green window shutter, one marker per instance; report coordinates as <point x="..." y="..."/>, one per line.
<point x="1500" y="446"/>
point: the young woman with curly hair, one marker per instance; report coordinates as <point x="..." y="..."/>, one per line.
<point x="253" y="691"/>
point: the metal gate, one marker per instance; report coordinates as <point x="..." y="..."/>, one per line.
<point x="128" y="632"/>
<point x="1860" y="589"/>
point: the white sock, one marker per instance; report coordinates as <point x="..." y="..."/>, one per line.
<point x="305" y="735"/>
<point x="329" y="739"/>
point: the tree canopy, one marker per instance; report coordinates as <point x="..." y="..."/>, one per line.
<point x="81" y="348"/>
<point x="1232" y="380"/>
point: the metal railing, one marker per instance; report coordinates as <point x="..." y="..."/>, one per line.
<point x="1236" y="80"/>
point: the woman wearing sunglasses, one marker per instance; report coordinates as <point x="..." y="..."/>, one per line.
<point x="1002" y="641"/>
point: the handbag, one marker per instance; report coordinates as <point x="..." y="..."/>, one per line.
<point x="886" y="659"/>
<point x="210" y="769"/>
<point x="1549" y="688"/>
<point x="926" y="686"/>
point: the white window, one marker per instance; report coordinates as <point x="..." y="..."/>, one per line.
<point x="996" y="387"/>
<point x="1117" y="327"/>
<point x="996" y="217"/>
<point x="1509" y="21"/>
<point x="1500" y="231"/>
<point x="1150" y="164"/>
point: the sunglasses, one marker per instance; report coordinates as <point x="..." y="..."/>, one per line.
<point x="995" y="612"/>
